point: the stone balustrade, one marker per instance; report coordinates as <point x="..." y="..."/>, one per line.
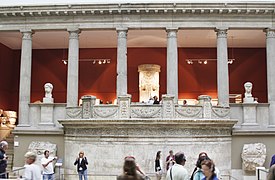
<point x="168" y="109"/>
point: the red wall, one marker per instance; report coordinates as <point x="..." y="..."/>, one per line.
<point x="100" y="80"/>
<point x="8" y="95"/>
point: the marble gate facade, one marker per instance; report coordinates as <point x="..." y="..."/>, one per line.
<point x="161" y="127"/>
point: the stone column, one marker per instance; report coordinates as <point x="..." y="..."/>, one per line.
<point x="270" y="62"/>
<point x="73" y="61"/>
<point x="172" y="63"/>
<point x="121" y="87"/>
<point x="222" y="68"/>
<point x="25" y="78"/>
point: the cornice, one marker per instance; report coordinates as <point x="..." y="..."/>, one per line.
<point x="150" y="8"/>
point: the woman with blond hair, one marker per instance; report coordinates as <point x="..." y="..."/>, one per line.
<point x="81" y="162"/>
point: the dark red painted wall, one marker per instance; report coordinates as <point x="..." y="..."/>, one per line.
<point x="100" y="80"/>
<point x="8" y="96"/>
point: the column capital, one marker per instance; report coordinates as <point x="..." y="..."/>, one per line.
<point x="221" y="32"/>
<point x="73" y="33"/>
<point x="122" y="32"/>
<point x="270" y="32"/>
<point x="26" y="34"/>
<point x="171" y="32"/>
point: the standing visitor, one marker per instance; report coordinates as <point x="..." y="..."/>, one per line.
<point x="158" y="165"/>
<point x="47" y="164"/>
<point x="32" y="171"/>
<point x="272" y="162"/>
<point x="197" y="173"/>
<point x="81" y="162"/>
<point x="208" y="169"/>
<point x="177" y="171"/>
<point x="130" y="170"/>
<point x="3" y="159"/>
<point x="170" y="160"/>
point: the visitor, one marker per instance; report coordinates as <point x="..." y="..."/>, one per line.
<point x="130" y="169"/>
<point x="155" y="100"/>
<point x="272" y="160"/>
<point x="184" y="102"/>
<point x="32" y="171"/>
<point x="158" y="165"/>
<point x="48" y="167"/>
<point x="197" y="173"/>
<point x="208" y="169"/>
<point x="81" y="162"/>
<point x="177" y="171"/>
<point x="151" y="101"/>
<point x="170" y="160"/>
<point x="3" y="159"/>
<point x="271" y="173"/>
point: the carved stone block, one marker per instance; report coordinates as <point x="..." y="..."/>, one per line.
<point x="39" y="147"/>
<point x="253" y="156"/>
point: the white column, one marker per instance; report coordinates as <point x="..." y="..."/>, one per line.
<point x="73" y="60"/>
<point x="25" y="78"/>
<point x="121" y="84"/>
<point x="270" y="62"/>
<point x="222" y="68"/>
<point x="172" y="63"/>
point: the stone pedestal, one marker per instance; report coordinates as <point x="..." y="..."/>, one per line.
<point x="46" y="115"/>
<point x="250" y="114"/>
<point x="48" y="100"/>
<point x="248" y="100"/>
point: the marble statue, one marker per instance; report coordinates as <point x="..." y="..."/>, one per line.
<point x="248" y="95"/>
<point x="48" y="93"/>
<point x="253" y="155"/>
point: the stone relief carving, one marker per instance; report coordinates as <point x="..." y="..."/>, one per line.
<point x="253" y="156"/>
<point x="105" y="112"/>
<point x="188" y="112"/>
<point x="168" y="106"/>
<point x="86" y="109"/>
<point x="39" y="147"/>
<point x="74" y="113"/>
<point x="148" y="81"/>
<point x="220" y="112"/>
<point x="145" y="112"/>
<point x="145" y="131"/>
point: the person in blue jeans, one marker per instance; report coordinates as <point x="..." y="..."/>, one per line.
<point x="81" y="162"/>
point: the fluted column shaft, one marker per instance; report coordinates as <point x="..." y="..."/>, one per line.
<point x="73" y="68"/>
<point x="222" y="68"/>
<point x="121" y="88"/>
<point x="25" y="78"/>
<point x="172" y="63"/>
<point x="270" y="62"/>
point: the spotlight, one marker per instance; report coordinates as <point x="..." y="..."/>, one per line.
<point x="99" y="62"/>
<point x="65" y="62"/>
<point x="205" y="62"/>
<point x="200" y="61"/>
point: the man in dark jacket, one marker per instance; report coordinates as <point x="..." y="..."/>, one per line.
<point x="3" y="159"/>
